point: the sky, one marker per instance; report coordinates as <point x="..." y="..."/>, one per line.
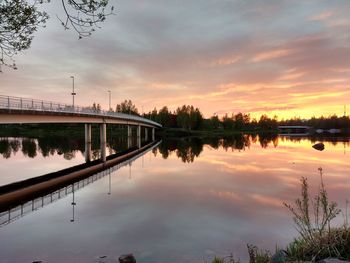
<point x="287" y="58"/>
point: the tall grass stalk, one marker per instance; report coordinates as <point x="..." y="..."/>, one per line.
<point x="318" y="239"/>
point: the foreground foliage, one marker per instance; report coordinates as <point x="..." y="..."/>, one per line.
<point x="313" y="220"/>
<point x="318" y="238"/>
<point x="20" y="19"/>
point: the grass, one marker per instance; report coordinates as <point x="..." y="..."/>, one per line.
<point x="318" y="237"/>
<point x="228" y="259"/>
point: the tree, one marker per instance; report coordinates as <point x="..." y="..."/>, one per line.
<point x="228" y="122"/>
<point x="164" y="116"/>
<point x="19" y="19"/>
<point x="127" y="107"/>
<point x="96" y="107"/>
<point x="267" y="123"/>
<point x="182" y="118"/>
<point x="214" y="122"/>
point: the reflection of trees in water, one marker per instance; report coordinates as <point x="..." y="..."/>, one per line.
<point x="334" y="140"/>
<point x="29" y="147"/>
<point x="117" y="143"/>
<point x="60" y="145"/>
<point x="5" y="148"/>
<point x="187" y="149"/>
<point x="46" y="146"/>
<point x="267" y="138"/>
<point x="67" y="147"/>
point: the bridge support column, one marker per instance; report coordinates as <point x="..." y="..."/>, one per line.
<point x="153" y="134"/>
<point x="87" y="142"/>
<point x="129" y="131"/>
<point x="129" y="142"/>
<point x="103" y="141"/>
<point x="146" y="133"/>
<point x="139" y="136"/>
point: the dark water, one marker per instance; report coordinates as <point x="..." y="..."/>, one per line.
<point x="185" y="201"/>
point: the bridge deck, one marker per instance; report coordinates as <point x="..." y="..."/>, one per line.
<point x="23" y="110"/>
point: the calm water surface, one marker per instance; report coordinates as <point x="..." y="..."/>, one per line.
<point x="185" y="201"/>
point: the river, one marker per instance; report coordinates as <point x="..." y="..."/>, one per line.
<point x="186" y="200"/>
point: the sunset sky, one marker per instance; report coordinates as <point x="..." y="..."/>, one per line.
<point x="286" y="57"/>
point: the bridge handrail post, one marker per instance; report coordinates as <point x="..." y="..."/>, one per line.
<point x="21" y="104"/>
<point x="8" y="102"/>
<point x="42" y="105"/>
<point x="32" y="104"/>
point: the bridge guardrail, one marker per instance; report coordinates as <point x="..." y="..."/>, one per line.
<point x="18" y="103"/>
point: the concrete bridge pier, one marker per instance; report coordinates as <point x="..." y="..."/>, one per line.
<point x="88" y="142"/>
<point x="153" y="134"/>
<point x="139" y="136"/>
<point x="146" y="133"/>
<point x="103" y="141"/>
<point x="129" y="142"/>
<point x="129" y="131"/>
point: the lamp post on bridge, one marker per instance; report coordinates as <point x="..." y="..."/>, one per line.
<point x="109" y="93"/>
<point x="73" y="93"/>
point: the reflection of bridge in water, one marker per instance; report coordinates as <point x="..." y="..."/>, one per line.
<point x="296" y="130"/>
<point x="21" y="198"/>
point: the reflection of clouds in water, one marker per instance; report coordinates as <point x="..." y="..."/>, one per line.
<point x="179" y="210"/>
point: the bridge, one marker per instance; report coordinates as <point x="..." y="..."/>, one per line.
<point x="295" y="130"/>
<point x="17" y="110"/>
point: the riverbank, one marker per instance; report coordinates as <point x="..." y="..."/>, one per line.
<point x="179" y="132"/>
<point x="318" y="241"/>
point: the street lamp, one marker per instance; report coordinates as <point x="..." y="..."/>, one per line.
<point x="109" y="100"/>
<point x="73" y="93"/>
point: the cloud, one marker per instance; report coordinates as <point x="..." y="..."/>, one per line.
<point x="322" y="16"/>
<point x="271" y="55"/>
<point x="246" y="56"/>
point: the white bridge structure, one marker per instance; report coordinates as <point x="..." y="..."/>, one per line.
<point x="17" y="110"/>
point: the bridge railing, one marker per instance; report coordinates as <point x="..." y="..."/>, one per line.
<point x="18" y="103"/>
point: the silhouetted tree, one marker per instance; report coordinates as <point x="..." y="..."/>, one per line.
<point x="228" y="122"/>
<point x="266" y="123"/>
<point x="96" y="106"/>
<point x="127" y="107"/>
<point x="214" y="122"/>
<point x="19" y="19"/>
<point x="164" y="116"/>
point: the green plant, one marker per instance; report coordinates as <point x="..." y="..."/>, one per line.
<point x="218" y="260"/>
<point x="228" y="259"/>
<point x="257" y="255"/>
<point x="318" y="239"/>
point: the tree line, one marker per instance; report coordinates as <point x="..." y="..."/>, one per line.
<point x="189" y="117"/>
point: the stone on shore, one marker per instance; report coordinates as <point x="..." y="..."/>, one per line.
<point x="318" y="146"/>
<point x="129" y="258"/>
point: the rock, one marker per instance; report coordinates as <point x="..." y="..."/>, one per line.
<point x="279" y="257"/>
<point x="129" y="258"/>
<point x="318" y="146"/>
<point x="332" y="260"/>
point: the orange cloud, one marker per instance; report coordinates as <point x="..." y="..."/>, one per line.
<point x="268" y="55"/>
<point x="321" y="16"/>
